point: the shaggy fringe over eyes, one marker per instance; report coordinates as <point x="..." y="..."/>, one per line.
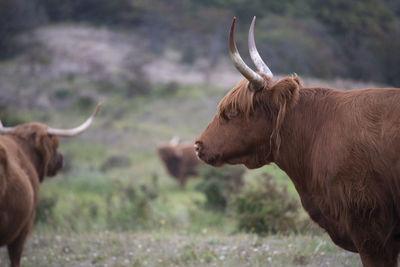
<point x="239" y="99"/>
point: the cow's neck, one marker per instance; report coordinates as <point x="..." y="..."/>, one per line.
<point x="302" y="125"/>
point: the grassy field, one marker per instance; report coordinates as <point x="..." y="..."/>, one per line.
<point x="135" y="214"/>
<point x="180" y="248"/>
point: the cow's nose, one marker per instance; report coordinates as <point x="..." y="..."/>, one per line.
<point x="197" y="146"/>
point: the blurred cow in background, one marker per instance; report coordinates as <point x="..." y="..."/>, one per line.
<point x="28" y="153"/>
<point x="179" y="159"/>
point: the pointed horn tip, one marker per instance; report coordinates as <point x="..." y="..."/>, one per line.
<point x="251" y="30"/>
<point x="233" y="23"/>
<point x="99" y="105"/>
<point x="252" y="24"/>
<point x="232" y="45"/>
<point x="255" y="56"/>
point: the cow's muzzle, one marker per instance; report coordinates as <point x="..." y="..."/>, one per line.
<point x="197" y="147"/>
<point x="208" y="158"/>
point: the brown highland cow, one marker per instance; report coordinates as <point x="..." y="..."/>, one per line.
<point x="28" y="153"/>
<point x="179" y="159"/>
<point x="341" y="149"/>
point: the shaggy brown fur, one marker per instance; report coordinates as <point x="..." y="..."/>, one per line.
<point x="179" y="160"/>
<point x="341" y="149"/>
<point x="27" y="155"/>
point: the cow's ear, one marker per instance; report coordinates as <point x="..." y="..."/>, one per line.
<point x="283" y="95"/>
<point x="286" y="92"/>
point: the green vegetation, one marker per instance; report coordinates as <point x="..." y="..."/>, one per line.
<point x="265" y="207"/>
<point x="220" y="185"/>
<point x="180" y="248"/>
<point x="114" y="202"/>
<point x="122" y="185"/>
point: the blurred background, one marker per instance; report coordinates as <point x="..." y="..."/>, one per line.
<point x="160" y="68"/>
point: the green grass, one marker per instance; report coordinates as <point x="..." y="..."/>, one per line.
<point x="180" y="248"/>
<point x="84" y="195"/>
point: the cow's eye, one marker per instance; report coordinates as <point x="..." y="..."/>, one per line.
<point x="223" y="116"/>
<point x="232" y="114"/>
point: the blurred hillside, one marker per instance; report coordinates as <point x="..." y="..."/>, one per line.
<point x="77" y="65"/>
<point x="328" y="39"/>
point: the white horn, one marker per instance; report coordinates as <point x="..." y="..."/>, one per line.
<point x="255" y="56"/>
<point x="77" y="130"/>
<point x="253" y="77"/>
<point x="5" y="129"/>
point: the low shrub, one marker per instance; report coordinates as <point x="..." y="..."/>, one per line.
<point x="130" y="208"/>
<point x="220" y="184"/>
<point x="90" y="203"/>
<point x="266" y="207"/>
<point x="45" y="210"/>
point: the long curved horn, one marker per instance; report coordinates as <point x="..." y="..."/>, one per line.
<point x="77" y="130"/>
<point x="255" y="56"/>
<point x="5" y="129"/>
<point x="253" y="77"/>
